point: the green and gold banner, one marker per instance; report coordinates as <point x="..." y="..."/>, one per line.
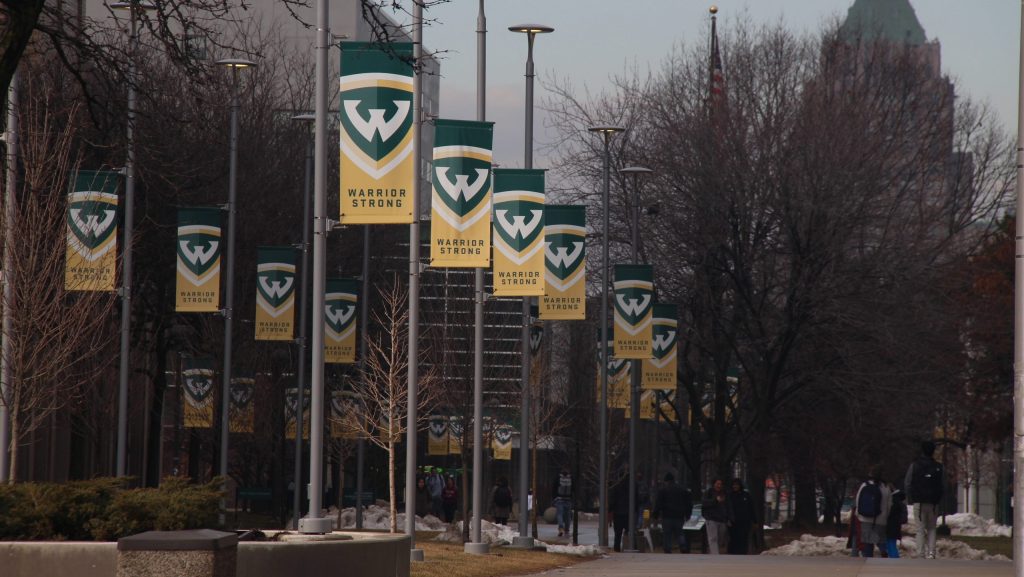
<point x="659" y="372"/>
<point x="199" y="249"/>
<point x="291" y="405"/>
<point x="502" y="442"/>
<point x="460" y="222"/>
<point x="618" y="378"/>
<point x="91" y="262"/>
<point x="345" y="415"/>
<point x="634" y="299"/>
<point x="565" y="260"/>
<point x="340" y="320"/>
<point x="243" y="413"/>
<point x="647" y="404"/>
<point x="518" y="232"/>
<point x="437" y="435"/>
<point x="275" y="293"/>
<point x="666" y="401"/>
<point x="197" y="378"/>
<point x="377" y="166"/>
<point x="455" y="432"/>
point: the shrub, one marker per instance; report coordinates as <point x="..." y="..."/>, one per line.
<point x="104" y="509"/>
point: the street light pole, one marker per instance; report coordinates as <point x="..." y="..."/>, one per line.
<point x="133" y="8"/>
<point x="636" y="366"/>
<point x="229" y="264"/>
<point x="602" y="515"/>
<point x="1018" y="332"/>
<point x="524" y="540"/>
<point x="477" y="546"/>
<point x="307" y="221"/>
<point x="7" y="278"/>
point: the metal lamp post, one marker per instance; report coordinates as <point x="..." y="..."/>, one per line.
<point x="524" y="540"/>
<point x="6" y="277"/>
<point x="134" y="8"/>
<point x="476" y="546"/>
<point x="235" y="64"/>
<point x="607" y="132"/>
<point x="636" y="366"/>
<point x="1018" y="334"/>
<point x="307" y="222"/>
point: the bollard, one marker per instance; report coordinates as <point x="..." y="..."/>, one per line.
<point x="193" y="553"/>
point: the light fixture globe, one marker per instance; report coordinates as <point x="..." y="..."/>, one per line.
<point x="138" y="5"/>
<point x="235" y="62"/>
<point x="637" y="170"/>
<point x="531" y="29"/>
<point x="607" y="129"/>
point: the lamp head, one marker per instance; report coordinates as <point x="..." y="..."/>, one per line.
<point x="606" y="130"/>
<point x="637" y="170"/>
<point x="531" y="29"/>
<point x="304" y="117"/>
<point x="235" y="63"/>
<point x="136" y="5"/>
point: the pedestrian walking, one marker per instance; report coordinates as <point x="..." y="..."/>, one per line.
<point x="449" y="499"/>
<point x="673" y="506"/>
<point x="422" y="498"/>
<point x="741" y="503"/>
<point x="873" y="503"/>
<point x="563" y="492"/>
<point x="619" y="506"/>
<point x="925" y="485"/>
<point x="435" y="485"/>
<point x="718" y="516"/>
<point x="501" y="501"/>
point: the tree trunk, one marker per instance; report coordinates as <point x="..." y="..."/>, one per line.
<point x="806" y="514"/>
<point x="391" y="484"/>
<point x="15" y="442"/>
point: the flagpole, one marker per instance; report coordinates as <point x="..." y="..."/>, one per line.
<point x="1018" y="332"/>
<point x="414" y="287"/>
<point x="7" y="278"/>
<point x="477" y="546"/>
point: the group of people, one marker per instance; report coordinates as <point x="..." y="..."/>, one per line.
<point x="880" y="510"/>
<point x="728" y="516"/>
<point x="436" y="495"/>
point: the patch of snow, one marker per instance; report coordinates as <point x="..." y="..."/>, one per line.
<point x="494" y="534"/>
<point x="829" y="546"/>
<point x="378" y="518"/>
<point x="965" y="524"/>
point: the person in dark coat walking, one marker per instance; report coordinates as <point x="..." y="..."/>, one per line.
<point x="673" y="506"/>
<point x="620" y="512"/>
<point x="717" y="514"/>
<point x="743" y="516"/>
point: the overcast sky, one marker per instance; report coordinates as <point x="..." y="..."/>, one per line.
<point x="597" y="39"/>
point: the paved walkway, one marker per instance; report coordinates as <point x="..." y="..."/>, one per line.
<point x="658" y="565"/>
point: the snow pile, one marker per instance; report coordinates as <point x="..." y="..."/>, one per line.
<point x="965" y="524"/>
<point x="828" y="546"/>
<point x="376" y="517"/>
<point x="494" y="534"/>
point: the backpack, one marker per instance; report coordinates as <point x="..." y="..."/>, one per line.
<point x="926" y="482"/>
<point x="869" y="502"/>
<point x="503" y="497"/>
<point x="564" y="486"/>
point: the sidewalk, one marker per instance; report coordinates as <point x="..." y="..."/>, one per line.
<point x="658" y="565"/>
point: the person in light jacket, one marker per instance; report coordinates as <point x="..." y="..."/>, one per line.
<point x="873" y="500"/>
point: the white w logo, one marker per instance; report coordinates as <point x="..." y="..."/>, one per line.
<point x="562" y="256"/>
<point x="462" y="187"/>
<point x="664" y="340"/>
<point x="376" y="123"/>
<point x="339" y="316"/>
<point x="92" y="225"/>
<point x="276" y="289"/>
<point x="519" y="227"/>
<point x="200" y="256"/>
<point x="635" y="307"/>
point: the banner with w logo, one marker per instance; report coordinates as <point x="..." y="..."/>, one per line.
<point x="198" y="244"/>
<point x="634" y="304"/>
<point x="659" y="371"/>
<point x="275" y="293"/>
<point x="460" y="212"/>
<point x="377" y="167"/>
<point x="340" y="320"/>
<point x="618" y="377"/>
<point x="565" y="264"/>
<point x="291" y="410"/>
<point x="243" y="414"/>
<point x="518" y="232"/>
<point x="91" y="263"/>
<point x="345" y="415"/>
<point x="502" y="442"/>
<point x="456" y="430"/>
<point x="197" y="378"/>
<point x="437" y="435"/>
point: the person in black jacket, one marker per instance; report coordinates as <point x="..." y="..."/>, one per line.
<point x="620" y="511"/>
<point x="743" y="515"/>
<point x="717" y="514"/>
<point x="673" y="506"/>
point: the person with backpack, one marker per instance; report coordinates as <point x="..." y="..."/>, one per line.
<point x="873" y="503"/>
<point x="563" y="501"/>
<point x="501" y="501"/>
<point x="717" y="512"/>
<point x="925" y="484"/>
<point x="894" y="524"/>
